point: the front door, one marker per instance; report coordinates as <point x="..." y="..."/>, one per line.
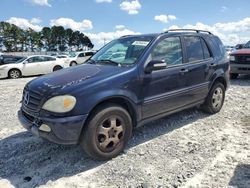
<point x="164" y="90"/>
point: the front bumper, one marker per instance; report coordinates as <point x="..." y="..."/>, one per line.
<point x="239" y="68"/>
<point x="64" y="130"/>
<point x="3" y="73"/>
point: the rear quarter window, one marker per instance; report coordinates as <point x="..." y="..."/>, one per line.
<point x="219" y="48"/>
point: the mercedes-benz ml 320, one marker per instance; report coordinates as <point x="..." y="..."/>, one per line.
<point x="98" y="104"/>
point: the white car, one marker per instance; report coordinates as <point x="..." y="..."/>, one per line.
<point x="79" y="57"/>
<point x="31" y="65"/>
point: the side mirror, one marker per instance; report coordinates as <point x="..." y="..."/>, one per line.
<point x="25" y="62"/>
<point x="155" y="65"/>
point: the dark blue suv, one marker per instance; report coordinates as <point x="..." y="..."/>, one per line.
<point x="130" y="81"/>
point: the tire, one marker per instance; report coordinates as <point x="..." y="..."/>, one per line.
<point x="14" y="74"/>
<point x="233" y="75"/>
<point x="56" y="68"/>
<point x="107" y="132"/>
<point x="73" y="63"/>
<point x="215" y="99"/>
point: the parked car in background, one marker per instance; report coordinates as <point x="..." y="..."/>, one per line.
<point x="31" y="65"/>
<point x="99" y="103"/>
<point x="62" y="56"/>
<point x="8" y="59"/>
<point x="239" y="46"/>
<point x="76" y="58"/>
<point x="114" y="56"/>
<point x="240" y="61"/>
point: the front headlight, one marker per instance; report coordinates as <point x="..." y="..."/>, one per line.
<point x="232" y="58"/>
<point x="60" y="104"/>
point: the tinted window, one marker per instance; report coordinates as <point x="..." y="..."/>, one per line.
<point x="35" y="59"/>
<point x="81" y="55"/>
<point x="219" y="47"/>
<point x="49" y="59"/>
<point x="168" y="50"/>
<point x="205" y="49"/>
<point x="89" y="53"/>
<point x="194" y="48"/>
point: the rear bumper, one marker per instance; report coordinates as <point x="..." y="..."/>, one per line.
<point x="64" y="130"/>
<point x="239" y="68"/>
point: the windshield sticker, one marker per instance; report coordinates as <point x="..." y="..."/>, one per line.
<point x="140" y="43"/>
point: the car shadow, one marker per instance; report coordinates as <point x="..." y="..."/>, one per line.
<point x="242" y="80"/>
<point x="28" y="161"/>
<point x="241" y="177"/>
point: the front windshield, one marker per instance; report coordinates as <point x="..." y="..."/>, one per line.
<point x="122" y="51"/>
<point x="247" y="45"/>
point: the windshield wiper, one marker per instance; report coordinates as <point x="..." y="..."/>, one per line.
<point x="108" y="61"/>
<point x="91" y="61"/>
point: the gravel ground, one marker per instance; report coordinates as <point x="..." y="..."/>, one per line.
<point x="187" y="149"/>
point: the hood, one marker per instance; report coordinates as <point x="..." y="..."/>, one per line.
<point x="241" y="52"/>
<point x="67" y="78"/>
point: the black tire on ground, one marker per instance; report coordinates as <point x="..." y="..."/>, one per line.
<point x="14" y="73"/>
<point x="233" y="75"/>
<point x="107" y="132"/>
<point x="73" y="63"/>
<point x="215" y="99"/>
<point x="56" y="68"/>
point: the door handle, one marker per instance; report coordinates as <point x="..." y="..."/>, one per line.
<point x="212" y="65"/>
<point x="183" y="71"/>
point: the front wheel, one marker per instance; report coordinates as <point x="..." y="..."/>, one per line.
<point x="215" y="99"/>
<point x="107" y="132"/>
<point x="14" y="73"/>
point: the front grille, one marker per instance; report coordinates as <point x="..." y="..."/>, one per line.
<point x="31" y="100"/>
<point x="244" y="59"/>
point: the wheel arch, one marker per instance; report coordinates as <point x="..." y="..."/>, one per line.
<point x="122" y="101"/>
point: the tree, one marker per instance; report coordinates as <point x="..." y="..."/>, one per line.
<point x="49" y="39"/>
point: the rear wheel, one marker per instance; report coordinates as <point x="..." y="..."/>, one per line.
<point x="56" y="68"/>
<point x="107" y="132"/>
<point x="15" y="73"/>
<point x="73" y="63"/>
<point x="233" y="75"/>
<point x="215" y="99"/>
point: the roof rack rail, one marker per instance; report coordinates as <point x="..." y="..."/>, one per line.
<point x="126" y="36"/>
<point x="195" y="30"/>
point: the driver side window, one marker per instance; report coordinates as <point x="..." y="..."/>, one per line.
<point x="169" y="51"/>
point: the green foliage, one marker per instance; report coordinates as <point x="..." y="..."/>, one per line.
<point x="49" y="39"/>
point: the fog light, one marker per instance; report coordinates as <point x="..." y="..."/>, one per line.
<point x="44" y="128"/>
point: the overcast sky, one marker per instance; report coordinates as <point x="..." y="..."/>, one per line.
<point x="104" y="20"/>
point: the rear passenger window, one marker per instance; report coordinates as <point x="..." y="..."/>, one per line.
<point x="194" y="48"/>
<point x="168" y="50"/>
<point x="206" y="51"/>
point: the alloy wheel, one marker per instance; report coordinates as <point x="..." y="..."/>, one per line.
<point x="110" y="133"/>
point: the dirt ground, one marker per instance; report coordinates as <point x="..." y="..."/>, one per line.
<point x="187" y="149"/>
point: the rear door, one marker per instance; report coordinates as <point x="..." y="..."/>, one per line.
<point x="200" y="66"/>
<point x="164" y="90"/>
<point x="47" y="64"/>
